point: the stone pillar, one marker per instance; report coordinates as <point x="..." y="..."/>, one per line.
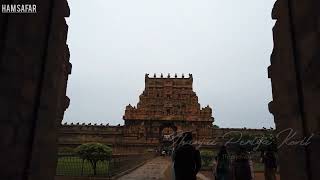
<point x="33" y="52"/>
<point x="295" y="78"/>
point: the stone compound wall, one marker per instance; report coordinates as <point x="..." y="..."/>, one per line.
<point x="72" y="135"/>
<point x="34" y="66"/>
<point x="295" y="77"/>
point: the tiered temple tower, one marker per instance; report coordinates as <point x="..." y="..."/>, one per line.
<point x="167" y="103"/>
<point x="166" y="106"/>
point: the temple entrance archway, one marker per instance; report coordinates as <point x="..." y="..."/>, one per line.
<point x="167" y="133"/>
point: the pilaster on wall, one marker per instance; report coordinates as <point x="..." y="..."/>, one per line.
<point x="34" y="66"/>
<point x="295" y="77"/>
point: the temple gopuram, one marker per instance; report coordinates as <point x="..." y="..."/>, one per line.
<point x="168" y="105"/>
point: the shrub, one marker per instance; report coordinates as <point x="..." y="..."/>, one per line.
<point x="94" y="152"/>
<point x="206" y="157"/>
<point x="216" y="126"/>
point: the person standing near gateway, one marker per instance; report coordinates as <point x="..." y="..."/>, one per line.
<point x="270" y="165"/>
<point x="242" y="167"/>
<point x="186" y="159"/>
<point x="223" y="164"/>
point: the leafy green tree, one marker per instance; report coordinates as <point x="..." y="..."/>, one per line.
<point x="94" y="152"/>
<point x="207" y="157"/>
<point x="216" y="126"/>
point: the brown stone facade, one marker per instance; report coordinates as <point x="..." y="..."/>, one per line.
<point x="167" y="105"/>
<point x="295" y="77"/>
<point x="168" y="99"/>
<point x="72" y="135"/>
<point x="34" y="68"/>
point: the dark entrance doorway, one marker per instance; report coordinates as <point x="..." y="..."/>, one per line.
<point x="167" y="133"/>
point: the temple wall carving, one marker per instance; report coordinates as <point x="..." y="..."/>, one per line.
<point x="295" y="78"/>
<point x="34" y="70"/>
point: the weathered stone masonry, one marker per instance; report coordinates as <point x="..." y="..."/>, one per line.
<point x="34" y="67"/>
<point x="295" y="77"/>
<point x="167" y="103"/>
<point x="72" y="135"/>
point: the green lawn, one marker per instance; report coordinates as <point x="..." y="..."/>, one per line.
<point x="258" y="166"/>
<point x="74" y="166"/>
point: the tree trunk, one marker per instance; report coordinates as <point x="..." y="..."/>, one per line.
<point x="95" y="168"/>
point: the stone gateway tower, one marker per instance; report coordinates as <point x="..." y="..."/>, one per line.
<point x="167" y="105"/>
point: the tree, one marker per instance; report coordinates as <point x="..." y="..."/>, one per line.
<point x="216" y="126"/>
<point x="207" y="157"/>
<point x="94" y="152"/>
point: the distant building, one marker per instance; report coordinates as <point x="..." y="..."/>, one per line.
<point x="166" y="107"/>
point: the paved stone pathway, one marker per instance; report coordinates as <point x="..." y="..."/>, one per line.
<point x="152" y="170"/>
<point x="200" y="176"/>
<point x="158" y="168"/>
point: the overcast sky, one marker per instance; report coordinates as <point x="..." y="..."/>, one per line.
<point x="225" y="44"/>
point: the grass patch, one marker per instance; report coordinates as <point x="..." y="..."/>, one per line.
<point x="74" y="166"/>
<point x="257" y="166"/>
